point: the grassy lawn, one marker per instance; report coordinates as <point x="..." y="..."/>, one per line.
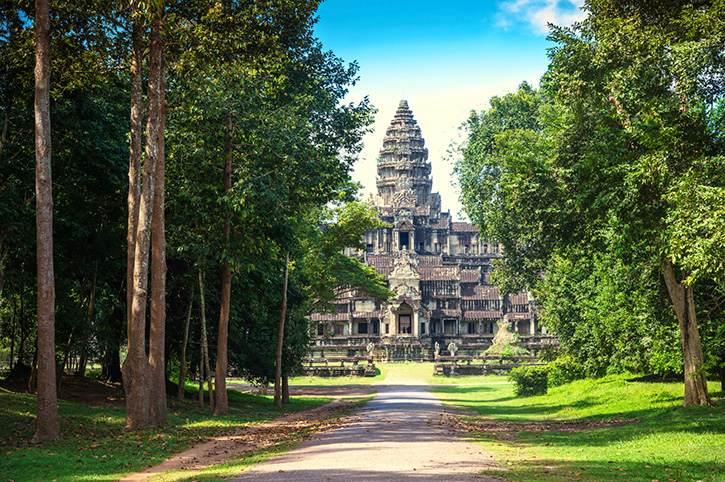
<point x="668" y="443"/>
<point x="93" y="447"/>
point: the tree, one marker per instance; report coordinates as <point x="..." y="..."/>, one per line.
<point x="47" y="427"/>
<point x="653" y="72"/>
<point x="627" y="117"/>
<point x="260" y="105"/>
<point x="328" y="272"/>
<point x="144" y="377"/>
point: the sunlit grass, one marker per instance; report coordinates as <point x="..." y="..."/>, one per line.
<point x="94" y="447"/>
<point x="667" y="442"/>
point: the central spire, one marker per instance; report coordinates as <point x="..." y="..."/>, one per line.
<point x="403" y="167"/>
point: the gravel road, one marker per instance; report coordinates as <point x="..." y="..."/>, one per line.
<point x="400" y="435"/>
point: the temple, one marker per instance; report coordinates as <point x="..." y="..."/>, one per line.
<point x="439" y="270"/>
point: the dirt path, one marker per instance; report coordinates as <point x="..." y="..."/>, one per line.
<point x="247" y="439"/>
<point x="402" y="434"/>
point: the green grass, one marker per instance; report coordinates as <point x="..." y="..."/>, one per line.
<point x="93" y="445"/>
<point x="669" y="443"/>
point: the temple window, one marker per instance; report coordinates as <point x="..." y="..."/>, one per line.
<point x="404" y="240"/>
<point x="362" y="328"/>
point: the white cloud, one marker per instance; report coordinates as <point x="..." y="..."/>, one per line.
<point x="538" y="13"/>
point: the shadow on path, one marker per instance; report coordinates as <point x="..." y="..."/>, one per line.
<point x="402" y="434"/>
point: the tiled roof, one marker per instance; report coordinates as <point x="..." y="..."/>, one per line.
<point x="329" y="317"/>
<point x="483" y="314"/>
<point x="440" y="273"/>
<point x="430" y="260"/>
<point x="479" y="292"/>
<point x="468" y="227"/>
<point x="376" y="260"/>
<point x="365" y="314"/>
<point x="470" y="275"/>
<point x="441" y="223"/>
<point x="518" y="299"/>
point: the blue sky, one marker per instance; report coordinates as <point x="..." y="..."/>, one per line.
<point x="444" y="57"/>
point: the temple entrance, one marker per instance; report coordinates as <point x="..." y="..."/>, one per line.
<point x="405" y="319"/>
<point x="404" y="324"/>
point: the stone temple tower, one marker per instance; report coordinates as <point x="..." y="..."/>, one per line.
<point x="438" y="268"/>
<point x="403" y="168"/>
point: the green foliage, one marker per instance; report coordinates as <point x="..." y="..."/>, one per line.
<point x="564" y="370"/>
<point x="613" y="168"/>
<point x="328" y="270"/>
<point x="609" y="315"/>
<point x="529" y="381"/>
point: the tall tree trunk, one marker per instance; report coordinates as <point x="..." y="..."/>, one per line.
<point x="201" y="376"/>
<point x="47" y="427"/>
<point x="33" y="378"/>
<point x="285" y="389"/>
<point x="157" y="332"/>
<point x="61" y="367"/>
<point x="204" y="343"/>
<point x="135" y="149"/>
<point x="111" y="363"/>
<point x="87" y="330"/>
<point x="12" y="333"/>
<point x="222" y="402"/>
<point x="184" y="344"/>
<point x="136" y="369"/>
<point x="693" y="361"/>
<point x="280" y="339"/>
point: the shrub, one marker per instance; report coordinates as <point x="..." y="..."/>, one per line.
<point x="564" y="370"/>
<point x="529" y="381"/>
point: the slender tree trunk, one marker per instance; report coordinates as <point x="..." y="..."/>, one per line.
<point x="87" y="330"/>
<point x="204" y="343"/>
<point x="33" y="373"/>
<point x="157" y="333"/>
<point x="66" y="354"/>
<point x="285" y="389"/>
<point x="137" y="379"/>
<point x="111" y="368"/>
<point x="134" y="164"/>
<point x="47" y="427"/>
<point x="693" y="361"/>
<point x="222" y="402"/>
<point x="201" y="376"/>
<point x="182" y="365"/>
<point x="6" y="122"/>
<point x="12" y="333"/>
<point x="133" y="367"/>
<point x="280" y="339"/>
